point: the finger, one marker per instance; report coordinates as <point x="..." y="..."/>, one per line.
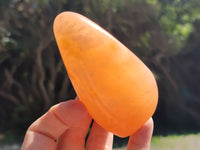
<point x="44" y="131"/>
<point x="142" y="138"/>
<point x="99" y="138"/>
<point x="74" y="137"/>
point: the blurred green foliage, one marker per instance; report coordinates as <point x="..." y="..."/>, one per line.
<point x="164" y="34"/>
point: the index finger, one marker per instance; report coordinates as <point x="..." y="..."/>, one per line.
<point x="44" y="132"/>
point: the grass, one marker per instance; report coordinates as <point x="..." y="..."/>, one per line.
<point x="174" y="142"/>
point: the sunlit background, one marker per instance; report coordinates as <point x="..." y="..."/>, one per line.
<point x="165" y="34"/>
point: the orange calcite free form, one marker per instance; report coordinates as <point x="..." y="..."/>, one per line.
<point x="116" y="87"/>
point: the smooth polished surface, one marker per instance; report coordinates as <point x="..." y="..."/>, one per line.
<point x="115" y="86"/>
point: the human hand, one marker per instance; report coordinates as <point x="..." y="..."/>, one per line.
<point x="65" y="127"/>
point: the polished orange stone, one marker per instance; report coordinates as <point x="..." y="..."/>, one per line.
<point x="115" y="86"/>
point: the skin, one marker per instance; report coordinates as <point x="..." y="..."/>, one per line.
<point x="65" y="127"/>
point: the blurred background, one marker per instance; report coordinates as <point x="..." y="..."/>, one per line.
<point x="165" y="34"/>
